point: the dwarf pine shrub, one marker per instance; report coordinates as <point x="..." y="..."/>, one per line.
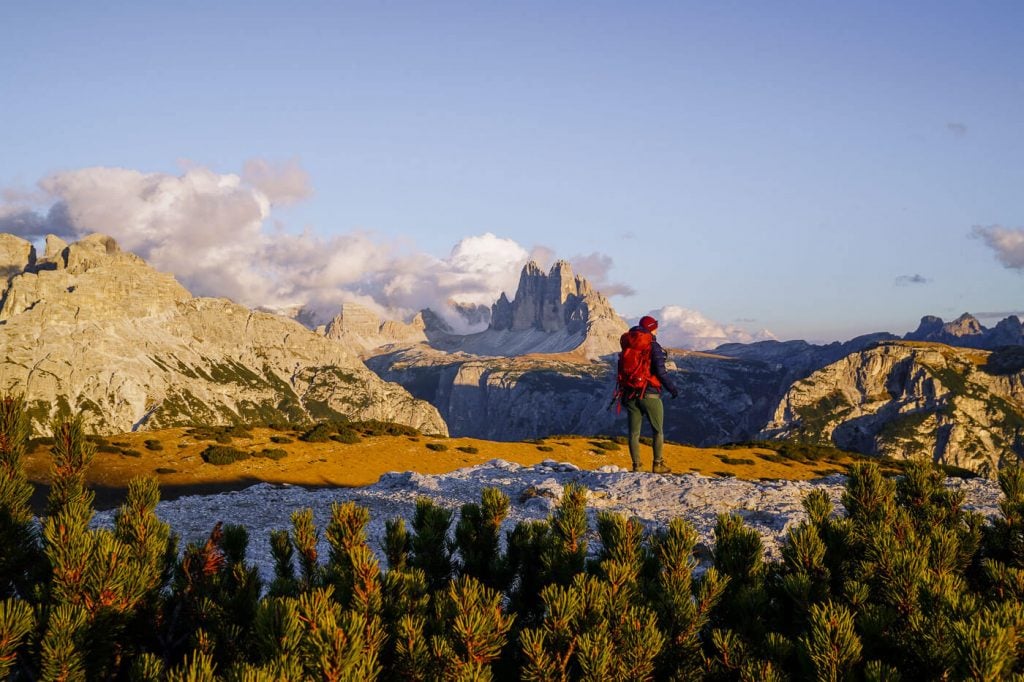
<point x="899" y="582"/>
<point x="223" y="454"/>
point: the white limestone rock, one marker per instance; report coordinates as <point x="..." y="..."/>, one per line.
<point x="133" y="349"/>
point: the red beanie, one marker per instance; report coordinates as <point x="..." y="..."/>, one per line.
<point x="648" y="323"/>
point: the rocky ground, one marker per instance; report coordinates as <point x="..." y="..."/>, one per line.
<point x="771" y="507"/>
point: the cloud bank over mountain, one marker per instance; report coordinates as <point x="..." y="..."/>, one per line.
<point x="216" y="232"/>
<point x="688" y="329"/>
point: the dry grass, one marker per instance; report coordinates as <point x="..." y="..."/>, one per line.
<point x="180" y="469"/>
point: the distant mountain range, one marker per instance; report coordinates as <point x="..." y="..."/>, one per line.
<point x="88" y="327"/>
<point x="968" y="332"/>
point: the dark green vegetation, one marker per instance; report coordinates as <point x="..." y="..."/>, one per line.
<point x="223" y="454"/>
<point x="345" y="431"/>
<point x="733" y="461"/>
<point x="437" y="447"/>
<point x="906" y="585"/>
<point x="181" y="407"/>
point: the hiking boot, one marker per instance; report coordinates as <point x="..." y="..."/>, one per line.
<point x="636" y="468"/>
<point x="660" y="468"/>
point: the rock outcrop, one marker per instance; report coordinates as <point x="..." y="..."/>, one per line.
<point x="16" y="256"/>
<point x="557" y="312"/>
<point x="92" y="328"/>
<point x="912" y="400"/>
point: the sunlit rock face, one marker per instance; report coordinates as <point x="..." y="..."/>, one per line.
<point x="913" y="400"/>
<point x="95" y="329"/>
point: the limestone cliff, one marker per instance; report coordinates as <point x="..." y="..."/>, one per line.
<point x="90" y="327"/>
<point x="912" y="400"/>
<point x="721" y="399"/>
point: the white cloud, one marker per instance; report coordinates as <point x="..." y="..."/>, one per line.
<point x="1007" y="242"/>
<point x="684" y="328"/>
<point x="284" y="183"/>
<point x="595" y="267"/>
<point x="216" y="233"/>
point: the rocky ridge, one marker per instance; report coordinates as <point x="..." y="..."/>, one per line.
<point x="911" y="400"/>
<point x="90" y="327"/>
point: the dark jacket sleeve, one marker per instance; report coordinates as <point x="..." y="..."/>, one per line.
<point x="658" y="356"/>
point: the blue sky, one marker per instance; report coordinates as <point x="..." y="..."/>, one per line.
<point x="816" y="169"/>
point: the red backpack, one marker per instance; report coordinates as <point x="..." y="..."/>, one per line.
<point x="634" y="372"/>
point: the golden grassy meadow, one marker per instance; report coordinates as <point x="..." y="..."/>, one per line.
<point x="174" y="458"/>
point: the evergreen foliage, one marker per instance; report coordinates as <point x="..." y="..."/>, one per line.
<point x="905" y="584"/>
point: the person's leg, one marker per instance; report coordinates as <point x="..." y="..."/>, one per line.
<point x="635" y="416"/>
<point x="655" y="411"/>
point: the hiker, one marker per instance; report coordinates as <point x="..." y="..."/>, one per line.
<point x="641" y="376"/>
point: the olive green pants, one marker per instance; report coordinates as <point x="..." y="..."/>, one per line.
<point x="649" y="406"/>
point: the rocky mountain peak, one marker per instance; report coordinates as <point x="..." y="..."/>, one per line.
<point x="965" y="325"/>
<point x="1008" y="332"/>
<point x="119" y="284"/>
<point x="552" y="302"/>
<point x="930" y="324"/>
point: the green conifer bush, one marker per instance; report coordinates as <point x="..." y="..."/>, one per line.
<point x="223" y="454"/>
<point x="901" y="583"/>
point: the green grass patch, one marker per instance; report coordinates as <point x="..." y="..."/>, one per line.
<point x="281" y="440"/>
<point x="545" y="448"/>
<point x="606" y="445"/>
<point x="153" y="444"/>
<point x="166" y="470"/>
<point x="437" y="447"/>
<point x="468" y="449"/>
<point x="129" y="452"/>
